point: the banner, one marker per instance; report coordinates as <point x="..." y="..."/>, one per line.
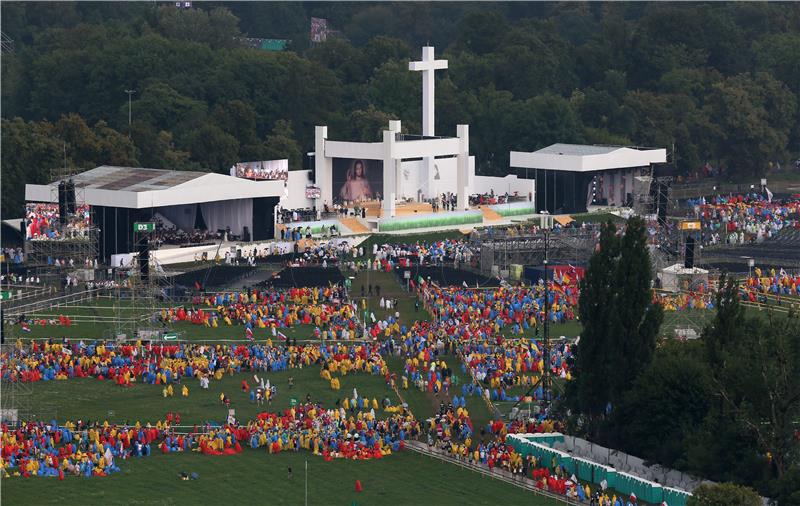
<point x="313" y="192"/>
<point x="357" y="180"/>
<point x="319" y="29"/>
<point x="268" y="170"/>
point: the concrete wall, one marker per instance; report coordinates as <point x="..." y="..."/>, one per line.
<point x="295" y="197"/>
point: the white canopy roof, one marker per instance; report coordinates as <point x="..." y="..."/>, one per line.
<point x="680" y="269"/>
<point x="583" y="158"/>
<point x="139" y="188"/>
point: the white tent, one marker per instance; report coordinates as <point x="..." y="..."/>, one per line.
<point x="677" y="277"/>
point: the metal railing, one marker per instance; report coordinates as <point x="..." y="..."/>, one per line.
<point x="52" y="302"/>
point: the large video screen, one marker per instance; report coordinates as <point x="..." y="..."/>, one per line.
<point x="42" y="221"/>
<point x="270" y="170"/>
<point x="356" y="180"/>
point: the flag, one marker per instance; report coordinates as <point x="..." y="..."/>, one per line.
<point x="25" y="327"/>
<point x="282" y="336"/>
<point x="248" y="332"/>
<point x="769" y="194"/>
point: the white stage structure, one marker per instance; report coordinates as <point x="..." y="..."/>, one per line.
<point x="122" y="196"/>
<point x="404" y="177"/>
<point x="564" y="174"/>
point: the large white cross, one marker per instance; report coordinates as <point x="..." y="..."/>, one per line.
<point x="427" y="66"/>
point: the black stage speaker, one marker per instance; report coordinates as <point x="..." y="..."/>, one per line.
<point x="69" y="197"/>
<point x="246" y="234"/>
<point x="688" y="260"/>
<point x="143" y="248"/>
<point x="62" y="202"/>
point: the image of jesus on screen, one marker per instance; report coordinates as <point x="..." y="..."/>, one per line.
<point x="356" y="187"/>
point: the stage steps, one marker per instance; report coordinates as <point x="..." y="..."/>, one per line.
<point x="489" y="214"/>
<point x="354" y="225"/>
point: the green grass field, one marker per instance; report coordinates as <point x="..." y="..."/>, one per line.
<point x="256" y="477"/>
<point x="94" y="399"/>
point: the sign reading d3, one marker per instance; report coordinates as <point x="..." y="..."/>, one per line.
<point x="144" y="227"/>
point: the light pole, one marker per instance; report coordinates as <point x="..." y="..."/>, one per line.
<point x="546" y="358"/>
<point x="130" y="95"/>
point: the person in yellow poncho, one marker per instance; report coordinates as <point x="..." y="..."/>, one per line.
<point x="185" y="391"/>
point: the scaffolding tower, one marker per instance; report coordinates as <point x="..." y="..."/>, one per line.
<point x="75" y="249"/>
<point x="140" y="297"/>
<point x="498" y="253"/>
<point x="15" y="402"/>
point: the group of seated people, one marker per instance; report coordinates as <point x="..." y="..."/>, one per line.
<point x="178" y="237"/>
<point x="490" y="198"/>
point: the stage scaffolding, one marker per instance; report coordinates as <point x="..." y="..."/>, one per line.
<point x="138" y="299"/>
<point x="15" y="402"/>
<point x="653" y="196"/>
<point x="79" y="249"/>
<point x="500" y="250"/>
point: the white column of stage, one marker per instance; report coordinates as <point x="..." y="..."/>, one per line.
<point x="323" y="167"/>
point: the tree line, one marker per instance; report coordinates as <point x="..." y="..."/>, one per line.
<point x="714" y="83"/>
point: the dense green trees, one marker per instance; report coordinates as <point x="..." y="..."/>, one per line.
<point x="717" y="81"/>
<point x="724" y="407"/>
<point x="724" y="494"/>
<point x="620" y="322"/>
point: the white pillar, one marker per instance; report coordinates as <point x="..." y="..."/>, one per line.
<point x="389" y="175"/>
<point x="323" y="168"/>
<point x="428" y="96"/>
<point x="462" y="171"/>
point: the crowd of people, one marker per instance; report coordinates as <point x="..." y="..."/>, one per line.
<point x="13" y="255"/>
<point x="299" y="233"/>
<point x="177" y="237"/>
<point x="47" y="449"/>
<point x="425" y="252"/>
<point x="15" y="279"/>
<point x="173" y="364"/>
<point x="479" y="328"/>
<point x="684" y="301"/>
<point x="325" y="308"/>
<point x="773" y="282"/>
<point x="296" y="215"/>
<point x="743" y="219"/>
